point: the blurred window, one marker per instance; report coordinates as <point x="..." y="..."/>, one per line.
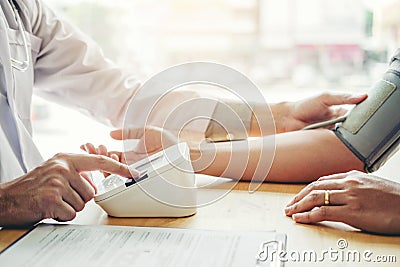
<point x="289" y="48"/>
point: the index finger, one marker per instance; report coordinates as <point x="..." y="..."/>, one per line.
<point x="339" y="176"/>
<point x="102" y="163"/>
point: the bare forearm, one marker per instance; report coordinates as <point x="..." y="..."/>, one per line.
<point x="304" y="156"/>
<point x="300" y="156"/>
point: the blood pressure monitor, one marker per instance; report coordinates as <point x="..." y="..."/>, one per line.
<point x="165" y="188"/>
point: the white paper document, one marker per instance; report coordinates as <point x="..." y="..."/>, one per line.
<point x="94" y="245"/>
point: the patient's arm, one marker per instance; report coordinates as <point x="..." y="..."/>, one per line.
<point x="300" y="156"/>
<point x="234" y="120"/>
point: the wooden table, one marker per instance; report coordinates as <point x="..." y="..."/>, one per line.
<point x="262" y="210"/>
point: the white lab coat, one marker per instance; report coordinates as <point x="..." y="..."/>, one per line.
<point x="67" y="67"/>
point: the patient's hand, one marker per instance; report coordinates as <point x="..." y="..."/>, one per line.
<point x="150" y="141"/>
<point x="292" y="116"/>
<point x="364" y="201"/>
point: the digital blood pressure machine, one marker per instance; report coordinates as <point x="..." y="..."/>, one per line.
<point x="165" y="187"/>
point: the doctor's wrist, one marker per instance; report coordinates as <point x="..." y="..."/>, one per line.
<point x="280" y="111"/>
<point x="4" y="205"/>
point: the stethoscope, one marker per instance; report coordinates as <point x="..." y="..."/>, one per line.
<point x="15" y="63"/>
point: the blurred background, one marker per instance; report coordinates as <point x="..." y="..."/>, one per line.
<point x="289" y="48"/>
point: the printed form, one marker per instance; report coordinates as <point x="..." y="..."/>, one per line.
<point x="94" y="245"/>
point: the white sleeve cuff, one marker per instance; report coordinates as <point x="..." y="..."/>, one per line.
<point x="230" y="121"/>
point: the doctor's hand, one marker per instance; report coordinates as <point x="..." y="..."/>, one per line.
<point x="292" y="116"/>
<point x="57" y="189"/>
<point x="150" y="141"/>
<point x="361" y="200"/>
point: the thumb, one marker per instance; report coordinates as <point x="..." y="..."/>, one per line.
<point x="342" y="99"/>
<point x="116" y="134"/>
<point x="130" y="133"/>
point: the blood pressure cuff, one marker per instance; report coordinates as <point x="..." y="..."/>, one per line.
<point x="371" y="130"/>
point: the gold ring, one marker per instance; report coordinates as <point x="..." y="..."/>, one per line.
<point x="327" y="202"/>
